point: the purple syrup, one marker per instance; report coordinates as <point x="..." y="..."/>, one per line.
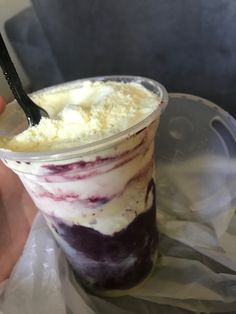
<point x="98" y="200"/>
<point x="84" y="165"/>
<point x="138" y="241"/>
<point x="69" y="197"/>
<point x="73" y="197"/>
<point x="80" y="165"/>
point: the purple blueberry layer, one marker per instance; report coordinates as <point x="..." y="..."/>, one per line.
<point x="118" y="261"/>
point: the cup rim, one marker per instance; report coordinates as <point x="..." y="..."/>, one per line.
<point x="101" y="144"/>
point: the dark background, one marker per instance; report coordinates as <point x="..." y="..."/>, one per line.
<point x="187" y="45"/>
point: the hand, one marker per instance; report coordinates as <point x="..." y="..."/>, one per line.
<point x="17" y="212"/>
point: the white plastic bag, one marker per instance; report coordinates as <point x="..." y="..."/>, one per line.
<point x="196" y="200"/>
<point x="195" y="272"/>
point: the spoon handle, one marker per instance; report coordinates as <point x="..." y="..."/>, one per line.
<point x="10" y="73"/>
<point x="32" y="111"/>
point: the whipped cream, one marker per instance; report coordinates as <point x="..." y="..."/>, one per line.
<point x="93" y="111"/>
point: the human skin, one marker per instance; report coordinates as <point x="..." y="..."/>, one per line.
<point x="17" y="212"/>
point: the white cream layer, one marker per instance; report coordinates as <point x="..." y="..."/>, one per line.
<point x="123" y="180"/>
<point x="125" y="188"/>
<point x="93" y="111"/>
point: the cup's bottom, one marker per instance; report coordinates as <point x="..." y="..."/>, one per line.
<point x="122" y="292"/>
<point x="111" y="264"/>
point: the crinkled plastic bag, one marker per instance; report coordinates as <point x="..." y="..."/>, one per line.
<point x="196" y="270"/>
<point x="196" y="195"/>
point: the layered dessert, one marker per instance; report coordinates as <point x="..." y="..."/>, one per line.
<point x="99" y="200"/>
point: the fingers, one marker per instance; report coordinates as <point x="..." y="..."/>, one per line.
<point x="2" y="104"/>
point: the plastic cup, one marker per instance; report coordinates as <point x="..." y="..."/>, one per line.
<point x="98" y="199"/>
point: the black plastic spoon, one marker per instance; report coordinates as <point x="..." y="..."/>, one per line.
<point x="33" y="112"/>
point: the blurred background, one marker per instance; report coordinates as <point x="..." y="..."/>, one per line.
<point x="187" y="45"/>
<point x="8" y="9"/>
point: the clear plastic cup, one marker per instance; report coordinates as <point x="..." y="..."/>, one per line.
<point x="98" y="199"/>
